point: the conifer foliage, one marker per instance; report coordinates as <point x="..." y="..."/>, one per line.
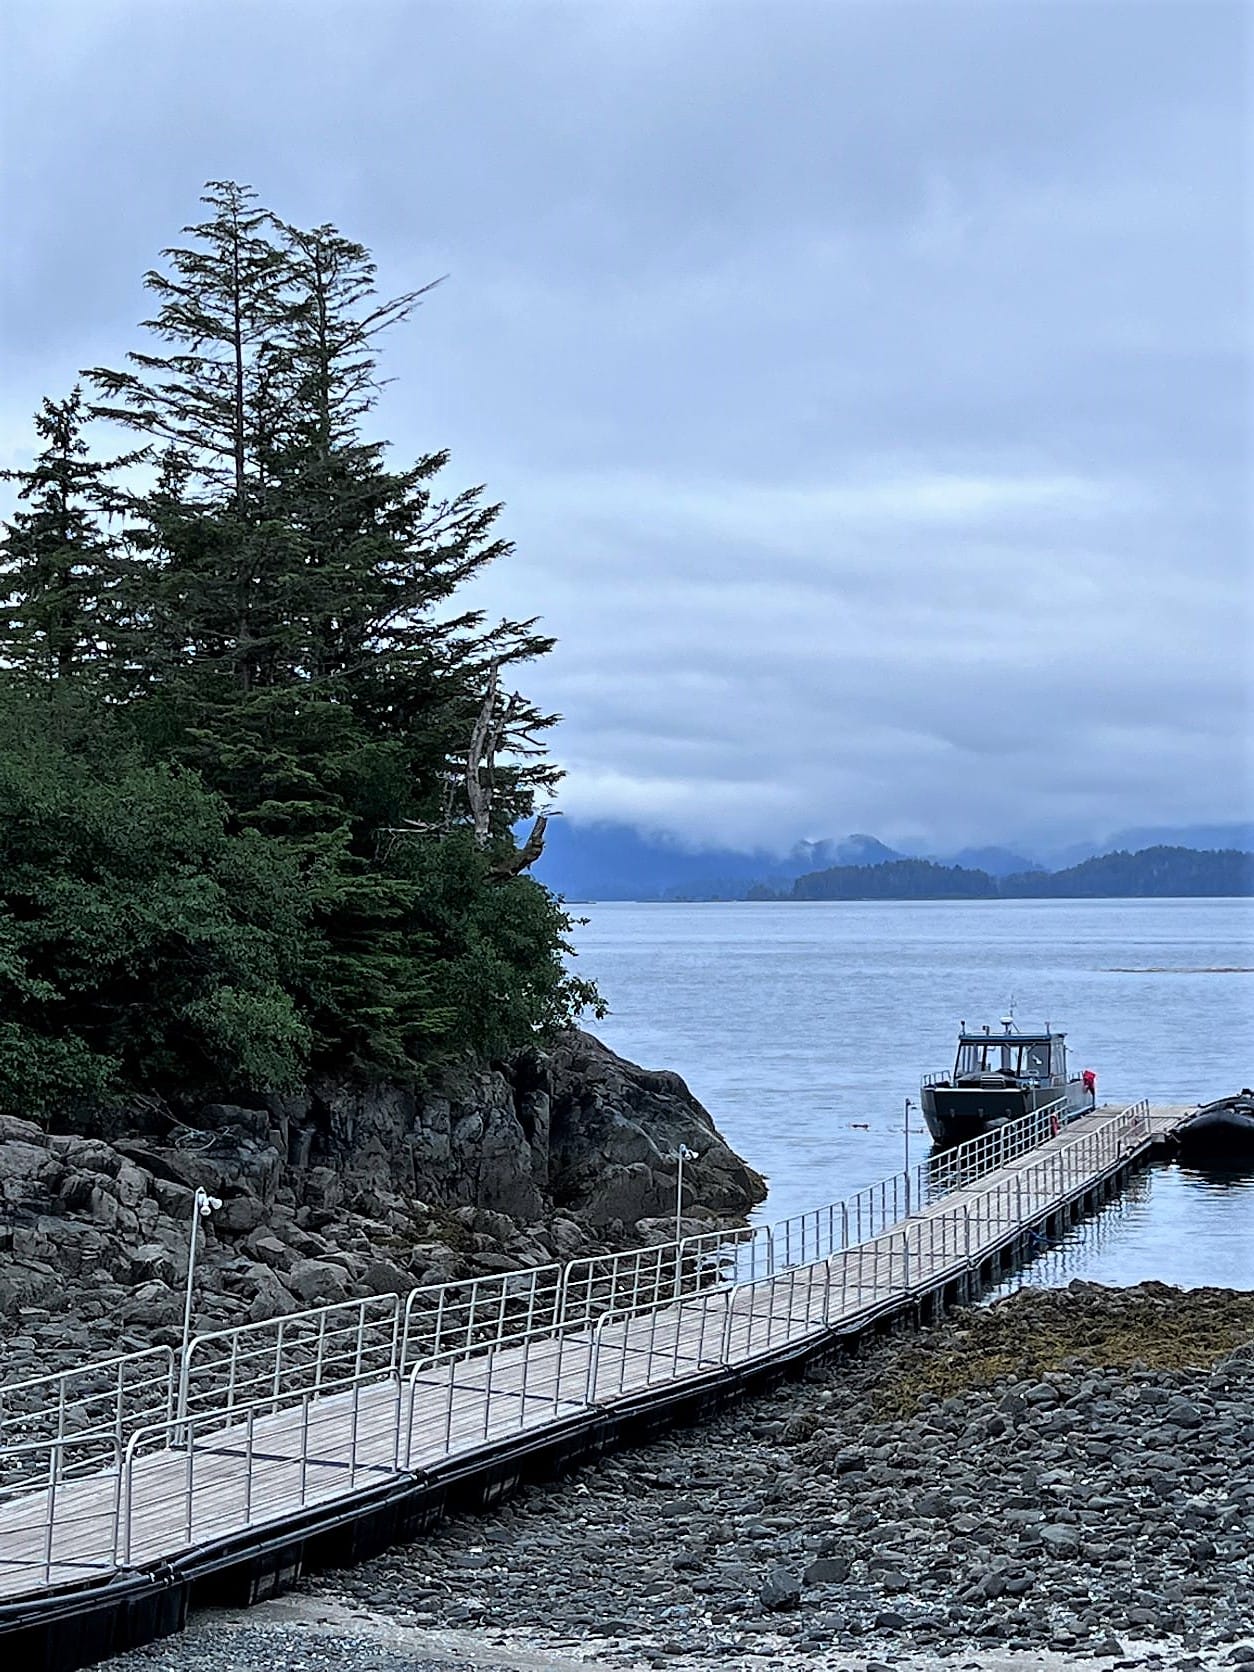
<point x="258" y="605"/>
<point x="63" y="568"/>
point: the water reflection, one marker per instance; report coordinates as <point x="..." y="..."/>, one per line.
<point x="1188" y="1226"/>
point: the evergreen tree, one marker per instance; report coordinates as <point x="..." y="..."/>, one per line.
<point x="389" y="549"/>
<point x="61" y="570"/>
<point x="213" y="398"/>
<point x="302" y="654"/>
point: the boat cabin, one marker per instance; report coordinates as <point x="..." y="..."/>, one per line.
<point x="1040" y="1058"/>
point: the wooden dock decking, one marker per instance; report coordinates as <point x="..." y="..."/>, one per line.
<point x="190" y="1481"/>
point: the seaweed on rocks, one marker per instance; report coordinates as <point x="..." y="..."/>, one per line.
<point x="1030" y="1334"/>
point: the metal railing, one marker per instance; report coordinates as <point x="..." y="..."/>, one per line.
<point x="459" y="1318"/>
<point x="133" y="1461"/>
<point x="92" y="1404"/>
<point x="952" y="1169"/>
<point x="278" y="1360"/>
<point x="818" y="1233"/>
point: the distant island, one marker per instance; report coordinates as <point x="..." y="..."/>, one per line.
<point x="1160" y="872"/>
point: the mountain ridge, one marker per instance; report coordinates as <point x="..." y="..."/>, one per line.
<point x="612" y="860"/>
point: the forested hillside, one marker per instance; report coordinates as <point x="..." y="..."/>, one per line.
<point x="1160" y="872"/>
<point x="259" y="767"/>
<point x="898" y="879"/>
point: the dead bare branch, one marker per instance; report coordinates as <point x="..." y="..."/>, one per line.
<point x="515" y="863"/>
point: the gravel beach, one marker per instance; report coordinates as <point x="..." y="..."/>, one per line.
<point x="1061" y="1479"/>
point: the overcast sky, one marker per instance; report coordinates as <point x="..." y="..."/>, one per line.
<point x="868" y="384"/>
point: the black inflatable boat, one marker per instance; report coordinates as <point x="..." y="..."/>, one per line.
<point x="1220" y="1131"/>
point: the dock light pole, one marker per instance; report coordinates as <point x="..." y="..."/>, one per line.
<point x="682" y="1154"/>
<point x="203" y="1204"/>
<point x="905" y="1134"/>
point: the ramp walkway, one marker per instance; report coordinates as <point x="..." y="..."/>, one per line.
<point x="119" y="1466"/>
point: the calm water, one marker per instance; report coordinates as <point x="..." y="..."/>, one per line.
<point x="804" y="1027"/>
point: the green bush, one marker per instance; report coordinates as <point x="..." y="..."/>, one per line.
<point x="141" y="945"/>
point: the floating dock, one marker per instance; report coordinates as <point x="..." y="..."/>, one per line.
<point x="132" y="1487"/>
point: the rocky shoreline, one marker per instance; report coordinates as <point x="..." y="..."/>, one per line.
<point x="1061" y="1479"/>
<point x="340" y="1193"/>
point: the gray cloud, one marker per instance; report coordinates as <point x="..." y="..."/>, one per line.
<point x="868" y="384"/>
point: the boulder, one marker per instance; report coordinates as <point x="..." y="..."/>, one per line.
<point x="26" y="1168"/>
<point x="104" y="1206"/>
<point x="230" y="1118"/>
<point x="827" y="1570"/>
<point x="173" y="1199"/>
<point x="381" y="1277"/>
<point x="317" y="1282"/>
<point x="239" y="1214"/>
<point x="267" y="1297"/>
<point x="780" y="1589"/>
<point x="153" y="1261"/>
<point x="25" y="1283"/>
<point x="131" y="1185"/>
<point x="17" y="1131"/>
<point x="322" y="1189"/>
<point x="152" y="1305"/>
<point x="273" y="1251"/>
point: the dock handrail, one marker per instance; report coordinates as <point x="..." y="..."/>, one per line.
<point x="276" y="1360"/>
<point x="388" y="1384"/>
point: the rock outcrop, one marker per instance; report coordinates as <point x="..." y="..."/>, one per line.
<point x="346" y="1190"/>
<point x="614" y="1130"/>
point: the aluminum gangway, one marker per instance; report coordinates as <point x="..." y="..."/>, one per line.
<point x="116" y="1466"/>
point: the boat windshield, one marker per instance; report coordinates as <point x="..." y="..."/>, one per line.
<point x="1026" y="1059"/>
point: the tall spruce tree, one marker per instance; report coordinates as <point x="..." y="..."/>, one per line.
<point x="390" y="549"/>
<point x="211" y="397"/>
<point x="303" y="655"/>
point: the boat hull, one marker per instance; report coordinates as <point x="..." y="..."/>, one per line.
<point x="955" y="1114"/>
<point x="1221" y="1132"/>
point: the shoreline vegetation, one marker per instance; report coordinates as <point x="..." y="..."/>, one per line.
<point x="269" y="802"/>
<point x="1153" y="873"/>
<point x="261" y="763"/>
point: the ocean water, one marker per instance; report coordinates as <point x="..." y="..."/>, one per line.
<point x="804" y="1027"/>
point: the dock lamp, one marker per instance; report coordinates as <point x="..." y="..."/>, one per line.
<point x="905" y="1133"/>
<point x="203" y="1204"/>
<point x="682" y="1154"/>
